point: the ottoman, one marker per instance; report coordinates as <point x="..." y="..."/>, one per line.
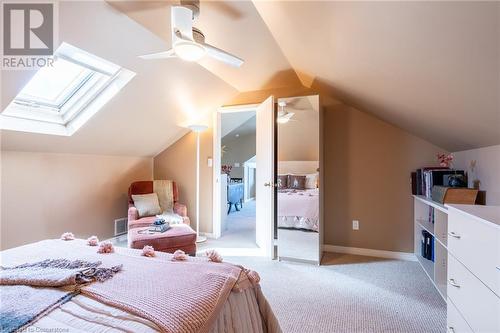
<point x="178" y="237"/>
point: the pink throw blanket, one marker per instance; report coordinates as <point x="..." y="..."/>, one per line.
<point x="177" y="296"/>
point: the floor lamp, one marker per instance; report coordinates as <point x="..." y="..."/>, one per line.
<point x="198" y="129"/>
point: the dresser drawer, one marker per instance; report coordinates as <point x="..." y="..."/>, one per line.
<point x="478" y="304"/>
<point x="454" y="321"/>
<point x="477" y="245"/>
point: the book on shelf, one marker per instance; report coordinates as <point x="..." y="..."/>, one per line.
<point x="427" y="245"/>
<point x="426" y="178"/>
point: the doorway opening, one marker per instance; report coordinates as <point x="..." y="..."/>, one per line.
<point x="234" y="226"/>
<point x="243" y="223"/>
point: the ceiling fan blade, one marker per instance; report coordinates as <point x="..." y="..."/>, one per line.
<point x="182" y="23"/>
<point x="223" y="56"/>
<point x="159" y="55"/>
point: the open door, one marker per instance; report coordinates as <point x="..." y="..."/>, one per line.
<point x="265" y="177"/>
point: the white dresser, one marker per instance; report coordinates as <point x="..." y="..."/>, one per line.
<point x="473" y="289"/>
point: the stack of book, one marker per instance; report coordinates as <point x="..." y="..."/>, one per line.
<point x="427" y="245"/>
<point x="425" y="178"/>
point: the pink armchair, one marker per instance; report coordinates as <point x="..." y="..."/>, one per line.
<point x="145" y="187"/>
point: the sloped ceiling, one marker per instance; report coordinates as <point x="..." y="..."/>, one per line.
<point x="233" y="120"/>
<point x="432" y="68"/>
<point x="148" y="114"/>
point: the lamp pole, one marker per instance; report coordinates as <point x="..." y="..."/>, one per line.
<point x="198" y="129"/>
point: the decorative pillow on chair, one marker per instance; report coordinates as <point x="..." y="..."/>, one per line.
<point x="146" y="204"/>
<point x="282" y="182"/>
<point x="297" y="182"/>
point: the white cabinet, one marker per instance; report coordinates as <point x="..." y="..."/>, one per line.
<point x="473" y="268"/>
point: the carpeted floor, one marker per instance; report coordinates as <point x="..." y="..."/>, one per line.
<point x="350" y="294"/>
<point x="240" y="233"/>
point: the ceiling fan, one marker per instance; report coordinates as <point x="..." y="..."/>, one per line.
<point x="188" y="42"/>
<point x="283" y="115"/>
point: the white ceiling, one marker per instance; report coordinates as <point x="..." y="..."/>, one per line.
<point x="432" y="68"/>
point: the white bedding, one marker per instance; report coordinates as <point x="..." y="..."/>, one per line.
<point x="298" y="209"/>
<point x="83" y="314"/>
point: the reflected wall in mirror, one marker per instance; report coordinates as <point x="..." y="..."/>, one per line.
<point x="298" y="154"/>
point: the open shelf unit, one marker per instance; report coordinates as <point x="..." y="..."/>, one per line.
<point x="436" y="270"/>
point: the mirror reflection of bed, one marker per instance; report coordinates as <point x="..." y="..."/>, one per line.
<point x="298" y="195"/>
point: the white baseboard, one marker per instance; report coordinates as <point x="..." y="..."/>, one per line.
<point x="208" y="235"/>
<point x="370" y="252"/>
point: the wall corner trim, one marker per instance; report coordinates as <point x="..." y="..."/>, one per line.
<point x="370" y="252"/>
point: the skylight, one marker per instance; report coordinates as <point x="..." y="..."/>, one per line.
<point x="59" y="99"/>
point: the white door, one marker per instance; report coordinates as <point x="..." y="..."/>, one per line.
<point x="265" y="176"/>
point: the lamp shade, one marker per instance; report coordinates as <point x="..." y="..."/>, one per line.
<point x="198" y="128"/>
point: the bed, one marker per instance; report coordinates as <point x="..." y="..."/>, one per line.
<point x="102" y="306"/>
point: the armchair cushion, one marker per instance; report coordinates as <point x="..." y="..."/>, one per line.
<point x="146" y="204"/>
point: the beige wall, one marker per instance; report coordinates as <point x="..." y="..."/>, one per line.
<point x="178" y="163"/>
<point x="367" y="178"/>
<point x="238" y="150"/>
<point x="367" y="168"/>
<point x="45" y="194"/>
<point x="487" y="170"/>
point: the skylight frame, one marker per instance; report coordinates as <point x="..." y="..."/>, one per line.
<point x="80" y="103"/>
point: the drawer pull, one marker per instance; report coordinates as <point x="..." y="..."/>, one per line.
<point x="451" y="329"/>
<point x="453" y="234"/>
<point x="454" y="283"/>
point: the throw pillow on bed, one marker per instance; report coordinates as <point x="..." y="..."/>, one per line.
<point x="282" y="182"/>
<point x="311" y="181"/>
<point x="297" y="182"/>
<point x="146" y="204"/>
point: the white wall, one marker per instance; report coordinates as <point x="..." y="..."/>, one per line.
<point x="487" y="170"/>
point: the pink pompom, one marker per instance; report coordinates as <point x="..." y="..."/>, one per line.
<point x="148" y="251"/>
<point x="253" y="276"/>
<point x="93" y="241"/>
<point x="213" y="256"/>
<point x="106" y="247"/>
<point x="179" y="255"/>
<point x="67" y="236"/>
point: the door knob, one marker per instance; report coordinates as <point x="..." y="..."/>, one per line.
<point x="269" y="184"/>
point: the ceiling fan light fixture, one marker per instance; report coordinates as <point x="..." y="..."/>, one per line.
<point x="189" y="51"/>
<point x="283" y="119"/>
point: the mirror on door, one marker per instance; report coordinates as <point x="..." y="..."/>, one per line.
<point x="298" y="184"/>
